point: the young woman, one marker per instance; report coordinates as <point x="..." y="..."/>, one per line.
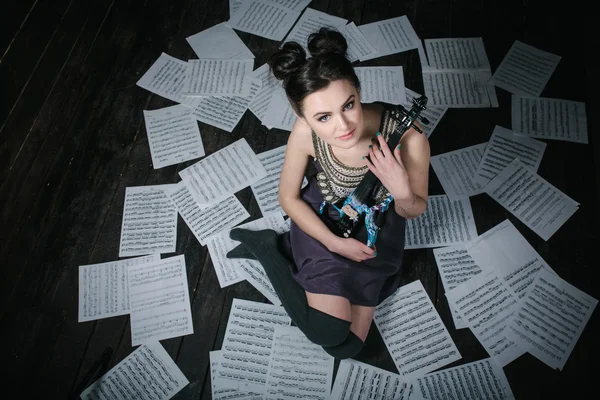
<point x="333" y="285"/>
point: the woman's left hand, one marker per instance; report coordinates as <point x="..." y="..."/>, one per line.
<point x="389" y="168"/>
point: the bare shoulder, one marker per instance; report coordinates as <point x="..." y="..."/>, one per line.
<point x="416" y="144"/>
<point x="301" y="138"/>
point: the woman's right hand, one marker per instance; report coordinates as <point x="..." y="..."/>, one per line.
<point x="351" y="249"/>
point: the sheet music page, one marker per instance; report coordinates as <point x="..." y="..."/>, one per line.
<point x="263" y="19"/>
<point x="413" y="331"/>
<point x="503" y="147"/>
<point x="457" y="54"/>
<point x="147" y="373"/>
<point x="358" y="45"/>
<point x="525" y="69"/>
<point x="219" y="393"/>
<point x="298" y="368"/>
<point x="546" y="118"/>
<point x="356" y="380"/>
<point x="160" y="300"/>
<point x="532" y="199"/>
<point x="296" y="5"/>
<point x="486" y="304"/>
<point x="456" y="171"/>
<point x="219" y="42"/>
<point x="208" y="221"/>
<point x="459" y="89"/>
<point x="234" y="6"/>
<point x="165" y="77"/>
<point x="381" y="84"/>
<point x="223" y="173"/>
<point x="481" y="379"/>
<point x="149" y="222"/>
<point x="247" y="345"/>
<point x="433" y="113"/>
<point x="173" y="135"/>
<point x="390" y="36"/>
<point x="103" y="288"/>
<point x="445" y="223"/>
<point x="504" y="249"/>
<point x="224" y="112"/>
<point x="311" y="21"/>
<point x="456" y="266"/>
<point x="260" y="102"/>
<point x="279" y="113"/>
<point x="218" y="77"/>
<point x="550" y="318"/>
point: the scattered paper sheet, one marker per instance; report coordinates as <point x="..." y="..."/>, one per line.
<point x="173" y="135"/>
<point x="433" y="113"/>
<point x="413" y="331"/>
<point x="531" y="199"/>
<point x="503" y="147"/>
<point x="550" y="318"/>
<point x="390" y="36"/>
<point x="165" y="77"/>
<point x="486" y="304"/>
<point x="264" y="19"/>
<point x="208" y="221"/>
<point x="456" y="171"/>
<point x="160" y="300"/>
<point x="103" y="288"/>
<point x="219" y="393"/>
<point x="381" y="84"/>
<point x="445" y="223"/>
<point x="546" y="118"/>
<point x="247" y="345"/>
<point x="218" y="78"/>
<point x="311" y="21"/>
<point x="148" y="373"/>
<point x="149" y="222"/>
<point x="504" y="249"/>
<point x="456" y="266"/>
<point x="279" y="113"/>
<point x="223" y="173"/>
<point x="358" y="45"/>
<point x="476" y="380"/>
<point x="219" y="42"/>
<point x="525" y="70"/>
<point x="262" y="99"/>
<point x="298" y="368"/>
<point x="356" y="380"/>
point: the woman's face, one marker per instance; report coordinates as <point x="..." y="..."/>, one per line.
<point x="335" y="114"/>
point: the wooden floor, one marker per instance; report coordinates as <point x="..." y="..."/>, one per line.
<point x="73" y="138"/>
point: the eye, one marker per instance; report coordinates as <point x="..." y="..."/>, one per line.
<point x="349" y="106"/>
<point x="324" y="118"/>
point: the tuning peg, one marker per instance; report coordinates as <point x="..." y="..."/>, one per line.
<point x="424" y="120"/>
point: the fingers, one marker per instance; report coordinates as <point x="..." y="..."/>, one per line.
<point x="398" y="155"/>
<point x="383" y="146"/>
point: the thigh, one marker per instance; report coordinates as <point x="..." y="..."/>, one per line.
<point x="362" y="317"/>
<point x="329" y="304"/>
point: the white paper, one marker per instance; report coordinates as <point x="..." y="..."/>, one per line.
<point x="208" y="221"/>
<point x="247" y="344"/>
<point x="486" y="304"/>
<point x="390" y="36"/>
<point x="103" y="288"/>
<point x="263" y="19"/>
<point x="550" y="318"/>
<point x="356" y="380"/>
<point x="433" y="113"/>
<point x="310" y="22"/>
<point x="296" y="5"/>
<point x="160" y="300"/>
<point x="173" y="135"/>
<point x="481" y="379"/>
<point x="218" y="77"/>
<point x="445" y="223"/>
<point x="147" y="373"/>
<point x="456" y="266"/>
<point x="503" y="147"/>
<point x="298" y="368"/>
<point x="413" y="331"/>
<point x="381" y="84"/>
<point x="226" y="393"/>
<point x="358" y="45"/>
<point x="165" y="77"/>
<point x="262" y="99"/>
<point x="223" y="173"/>
<point x="525" y="69"/>
<point x="456" y="171"/>
<point x="546" y="118"/>
<point x="531" y="199"/>
<point x="279" y="113"/>
<point x="219" y="42"/>
<point x="149" y="222"/>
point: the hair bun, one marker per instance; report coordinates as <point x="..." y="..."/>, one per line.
<point x="287" y="60"/>
<point x="327" y="41"/>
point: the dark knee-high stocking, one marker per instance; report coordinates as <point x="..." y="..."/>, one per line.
<point x="347" y="349"/>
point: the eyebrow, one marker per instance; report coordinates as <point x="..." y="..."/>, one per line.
<point x="327" y="112"/>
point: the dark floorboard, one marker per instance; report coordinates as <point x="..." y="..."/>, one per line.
<point x="72" y="139"/>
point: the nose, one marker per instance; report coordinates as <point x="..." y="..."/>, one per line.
<point x="342" y="123"/>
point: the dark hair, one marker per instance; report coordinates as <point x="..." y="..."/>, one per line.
<point x="302" y="76"/>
